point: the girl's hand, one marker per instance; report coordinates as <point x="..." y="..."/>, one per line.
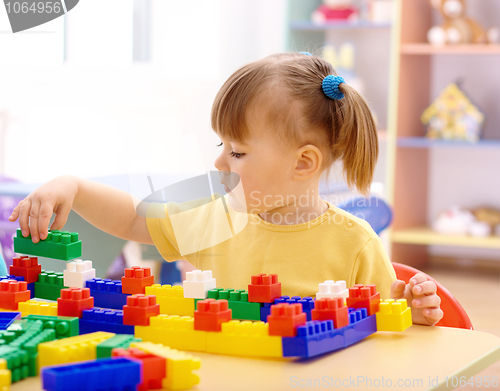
<point x="35" y="211"/>
<point x="421" y="296"/>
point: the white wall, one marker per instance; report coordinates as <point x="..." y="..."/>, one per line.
<point x="98" y="119"/>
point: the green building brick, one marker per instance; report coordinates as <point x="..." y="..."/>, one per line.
<point x="61" y="245"/>
<point x="118" y="341"/>
<point x="64" y="326"/>
<point x="49" y="285"/>
<point x="17" y="362"/>
<point x="35" y="333"/>
<point x="31" y="347"/>
<point x="237" y="302"/>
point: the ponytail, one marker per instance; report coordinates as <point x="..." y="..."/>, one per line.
<point x="354" y="138"/>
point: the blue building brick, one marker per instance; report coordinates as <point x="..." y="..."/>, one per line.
<point x="307" y="305"/>
<point x="11" y="277"/>
<point x="314" y="338"/>
<point x="7" y="318"/>
<point x="104" y="374"/>
<point x="360" y="326"/>
<point x="107" y="293"/>
<point x="103" y="319"/>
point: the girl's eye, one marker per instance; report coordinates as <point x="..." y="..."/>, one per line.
<point x="236" y="154"/>
<point x="220" y="145"/>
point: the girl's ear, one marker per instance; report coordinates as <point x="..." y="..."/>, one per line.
<point x="308" y="163"/>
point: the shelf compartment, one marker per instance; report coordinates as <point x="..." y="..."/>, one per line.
<point x="423" y="142"/>
<point x="426" y="236"/>
<point x="467" y="49"/>
<point x="305" y="25"/>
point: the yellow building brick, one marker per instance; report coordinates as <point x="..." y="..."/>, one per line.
<point x="5" y="376"/>
<point x="33" y="307"/>
<point x="179" y="365"/>
<point x="174" y="331"/>
<point x="171" y="300"/>
<point x="245" y="338"/>
<point x="67" y="350"/>
<point x="393" y="315"/>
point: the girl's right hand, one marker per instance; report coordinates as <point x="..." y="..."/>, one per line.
<point x="35" y="211"/>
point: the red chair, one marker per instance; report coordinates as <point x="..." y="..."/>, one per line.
<point x="454" y="314"/>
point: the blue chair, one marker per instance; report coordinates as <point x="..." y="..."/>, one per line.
<point x="374" y="210"/>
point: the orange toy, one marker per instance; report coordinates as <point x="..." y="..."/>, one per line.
<point x="457" y="27"/>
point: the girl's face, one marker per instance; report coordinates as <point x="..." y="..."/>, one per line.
<point x="265" y="167"/>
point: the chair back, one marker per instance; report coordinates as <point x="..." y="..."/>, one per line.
<point x="453" y="313"/>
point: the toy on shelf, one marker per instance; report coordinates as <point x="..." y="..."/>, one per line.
<point x="452" y="116"/>
<point x="335" y="10"/>
<point x="460" y="221"/>
<point x="457" y="28"/>
<point x="490" y="216"/>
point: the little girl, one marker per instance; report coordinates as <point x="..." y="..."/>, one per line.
<point x="283" y="121"/>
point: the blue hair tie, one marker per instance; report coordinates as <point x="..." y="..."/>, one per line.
<point x="306" y="53"/>
<point x="331" y="86"/>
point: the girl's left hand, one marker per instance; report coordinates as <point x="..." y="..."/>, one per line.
<point x="421" y="296"/>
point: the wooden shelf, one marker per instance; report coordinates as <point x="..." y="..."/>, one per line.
<point x="305" y="25"/>
<point x="426" y="236"/>
<point x="423" y="142"/>
<point x="467" y="49"/>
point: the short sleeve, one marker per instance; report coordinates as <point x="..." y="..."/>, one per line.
<point x="181" y="229"/>
<point x="373" y="266"/>
<point x="161" y="231"/>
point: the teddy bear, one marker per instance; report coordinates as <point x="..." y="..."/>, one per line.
<point x="458" y="28"/>
<point x="335" y="10"/>
<point x="455" y="220"/>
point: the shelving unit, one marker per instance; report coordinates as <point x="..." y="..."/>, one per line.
<point x="423" y="142"/>
<point x="409" y="161"/>
<point x="304" y="25"/>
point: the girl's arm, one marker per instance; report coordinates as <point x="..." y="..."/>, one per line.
<point x="107" y="208"/>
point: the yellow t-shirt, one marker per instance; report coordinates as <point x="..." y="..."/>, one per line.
<point x="211" y="236"/>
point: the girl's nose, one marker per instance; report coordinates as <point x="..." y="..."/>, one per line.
<point x="220" y="164"/>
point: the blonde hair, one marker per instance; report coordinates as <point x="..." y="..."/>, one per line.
<point x="300" y="113"/>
